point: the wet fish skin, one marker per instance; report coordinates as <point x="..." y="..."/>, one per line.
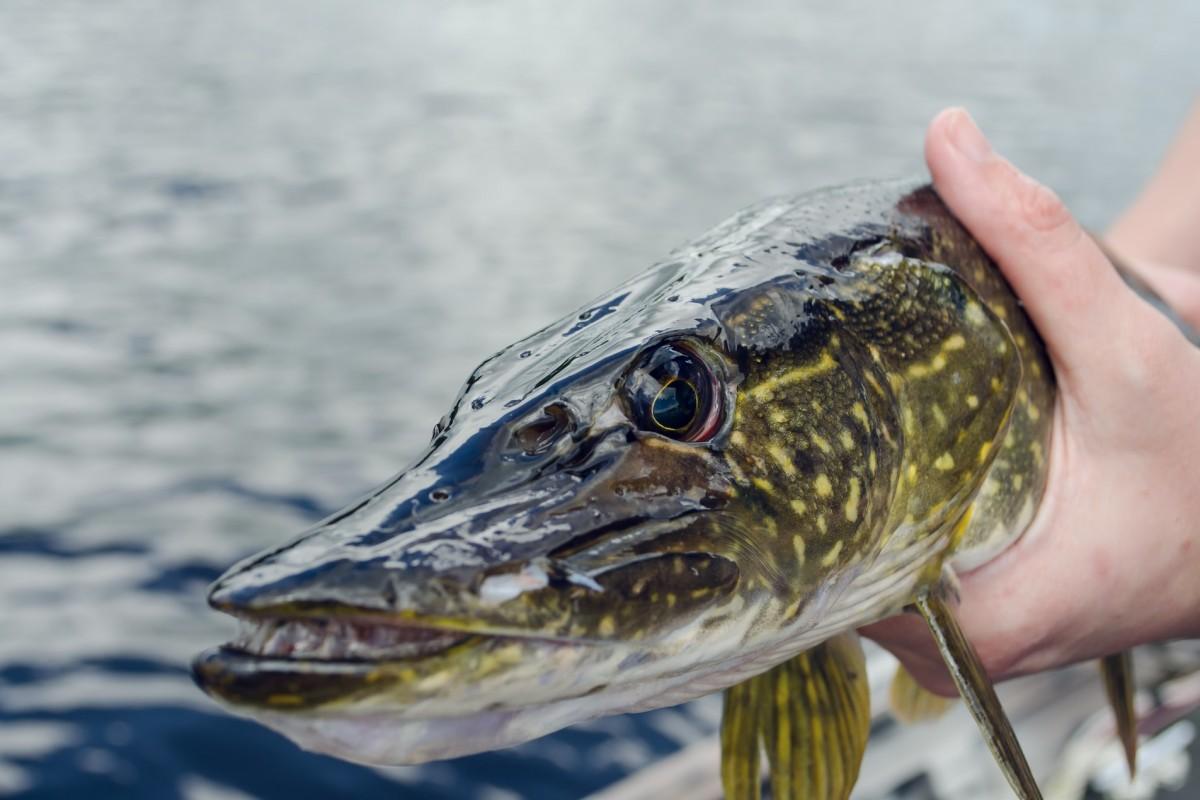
<point x="883" y="410"/>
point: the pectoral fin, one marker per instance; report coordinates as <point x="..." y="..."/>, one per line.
<point x="977" y="691"/>
<point x="1117" y="671"/>
<point x="811" y="715"/>
<point x="912" y="702"/>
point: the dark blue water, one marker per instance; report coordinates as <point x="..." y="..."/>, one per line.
<point x="248" y="252"/>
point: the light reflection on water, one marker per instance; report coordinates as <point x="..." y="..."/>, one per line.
<point x="247" y="257"/>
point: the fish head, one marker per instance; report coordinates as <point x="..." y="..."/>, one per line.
<point x="615" y="514"/>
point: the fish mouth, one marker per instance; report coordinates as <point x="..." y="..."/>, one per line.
<point x="303" y="663"/>
<point x="331" y="639"/>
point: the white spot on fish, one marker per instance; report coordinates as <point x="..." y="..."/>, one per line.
<point x="497" y="589"/>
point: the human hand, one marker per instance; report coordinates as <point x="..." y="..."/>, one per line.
<point x="1157" y="236"/>
<point x="1112" y="557"/>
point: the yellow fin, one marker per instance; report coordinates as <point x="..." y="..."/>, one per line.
<point x="911" y="702"/>
<point x="1117" y="671"/>
<point x="741" y="762"/>
<point x="812" y="716"/>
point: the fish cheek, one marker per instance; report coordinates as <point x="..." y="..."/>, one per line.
<point x="814" y="450"/>
<point x="650" y="597"/>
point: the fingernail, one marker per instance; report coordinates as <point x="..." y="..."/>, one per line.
<point x="968" y="139"/>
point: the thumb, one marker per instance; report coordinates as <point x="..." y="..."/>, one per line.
<point x="1066" y="283"/>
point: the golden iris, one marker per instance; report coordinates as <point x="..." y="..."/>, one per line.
<point x="675" y="406"/>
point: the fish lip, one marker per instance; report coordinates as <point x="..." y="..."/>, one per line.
<point x="286" y="683"/>
<point x="455" y="628"/>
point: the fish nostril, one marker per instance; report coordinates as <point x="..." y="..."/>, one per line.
<point x="539" y="434"/>
<point x="439" y="495"/>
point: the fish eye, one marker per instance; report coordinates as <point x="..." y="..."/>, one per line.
<point x="674" y="393"/>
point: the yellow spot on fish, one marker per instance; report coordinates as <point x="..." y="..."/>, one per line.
<point x="823" y="486"/>
<point x="764" y="484"/>
<point x="860" y="414"/>
<point x="852" y="501"/>
<point x="832" y="555"/>
<point x="938" y="364"/>
<point x="912" y="474"/>
<point x="945" y="462"/>
<point x="1033" y="412"/>
<point x="975" y="313"/>
<point x="910" y="422"/>
<point x="782" y="459"/>
<point x="816" y="406"/>
<point x="821" y="442"/>
<point x="939" y="416"/>
<point x="955" y="342"/>
<point x="1017" y="481"/>
<point x="799" y="507"/>
<point x="607" y="626"/>
<point x="972" y="401"/>
<point x="984" y="449"/>
<point x="670" y="600"/>
<point x="874" y="384"/>
<point x="439" y="679"/>
<point x="765" y="390"/>
<point x="872" y="462"/>
<point x="917" y="371"/>
<point x="847" y="439"/>
<point x="778" y="417"/>
<point x="821" y="526"/>
<point x="798" y="544"/>
<point x="284" y="700"/>
<point x="997" y="385"/>
<point x="1036" y="449"/>
<point x="737" y="438"/>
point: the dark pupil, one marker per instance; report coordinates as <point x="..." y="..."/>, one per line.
<point x="675" y="406"/>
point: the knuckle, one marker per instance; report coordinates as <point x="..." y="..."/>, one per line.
<point x="1147" y="353"/>
<point x="1041" y="207"/>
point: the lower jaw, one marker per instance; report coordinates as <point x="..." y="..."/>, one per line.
<point x="281" y="684"/>
<point x="473" y="666"/>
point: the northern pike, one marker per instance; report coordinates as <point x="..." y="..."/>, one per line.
<point x="801" y="423"/>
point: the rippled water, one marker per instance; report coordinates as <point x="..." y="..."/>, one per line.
<point x="248" y="251"/>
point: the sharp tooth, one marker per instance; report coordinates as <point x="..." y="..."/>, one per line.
<point x="258" y="642"/>
<point x="307" y="638"/>
<point x="329" y="646"/>
<point x="275" y="642"/>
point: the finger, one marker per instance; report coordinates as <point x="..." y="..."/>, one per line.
<point x="1066" y="284"/>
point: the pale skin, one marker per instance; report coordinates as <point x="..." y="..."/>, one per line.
<point x="1112" y="558"/>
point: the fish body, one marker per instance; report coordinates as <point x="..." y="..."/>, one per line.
<point x="789" y="428"/>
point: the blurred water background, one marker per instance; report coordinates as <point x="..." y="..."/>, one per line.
<point x="249" y="250"/>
